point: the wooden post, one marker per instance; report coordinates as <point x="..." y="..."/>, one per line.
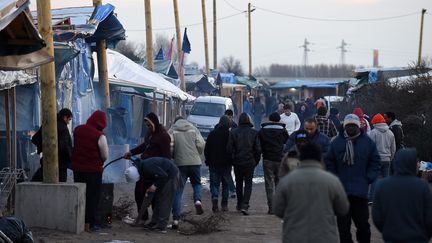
<point x="179" y="44"/>
<point x="14" y="134"/>
<point x="101" y="47"/>
<point x="149" y="35"/>
<point x="419" y="61"/>
<point x="48" y="96"/>
<point x="205" y="37"/>
<point x="214" y="36"/>
<point x="8" y="130"/>
<point x="250" y="39"/>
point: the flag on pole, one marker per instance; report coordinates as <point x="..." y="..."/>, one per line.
<point x="160" y="55"/>
<point x="169" y="53"/>
<point x="186" y="48"/>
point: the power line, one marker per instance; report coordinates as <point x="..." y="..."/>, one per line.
<point x="190" y="25"/>
<point x="337" y="20"/>
<point x="232" y="6"/>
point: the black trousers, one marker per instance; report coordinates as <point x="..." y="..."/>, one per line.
<point x="93" y="181"/>
<point x="140" y="189"/>
<point x="359" y="213"/>
<point x="243" y="174"/>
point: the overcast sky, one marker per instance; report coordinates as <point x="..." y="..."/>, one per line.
<point x="276" y="38"/>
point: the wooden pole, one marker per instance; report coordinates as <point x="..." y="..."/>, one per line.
<point x="214" y="36"/>
<point x="250" y="39"/>
<point x="14" y="134"/>
<point x="149" y="35"/>
<point x="48" y="96"/>
<point x="205" y="37"/>
<point x="8" y="130"/>
<point x="179" y="45"/>
<point x="101" y="47"/>
<point x="419" y="61"/>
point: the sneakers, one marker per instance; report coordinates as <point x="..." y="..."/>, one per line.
<point x="244" y="212"/>
<point x="198" y="207"/>
<point x="175" y="225"/>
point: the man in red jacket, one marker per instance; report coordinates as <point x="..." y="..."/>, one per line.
<point x="89" y="153"/>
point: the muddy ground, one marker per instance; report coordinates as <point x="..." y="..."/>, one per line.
<point x="257" y="227"/>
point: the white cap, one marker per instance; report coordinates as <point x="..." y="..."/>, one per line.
<point x="132" y="174"/>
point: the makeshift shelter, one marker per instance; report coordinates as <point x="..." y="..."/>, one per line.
<point x="309" y="88"/>
<point x="199" y="84"/>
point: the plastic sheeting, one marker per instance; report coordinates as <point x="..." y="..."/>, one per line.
<point x="114" y="173"/>
<point x="15" y="78"/>
<point x="123" y="71"/>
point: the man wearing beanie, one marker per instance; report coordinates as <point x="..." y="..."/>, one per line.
<point x="353" y="157"/>
<point x="156" y="144"/>
<point x="273" y="136"/>
<point x="334" y="117"/>
<point x="386" y="146"/>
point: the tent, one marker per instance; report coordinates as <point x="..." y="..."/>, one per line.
<point x="21" y="45"/>
<point x="124" y="72"/>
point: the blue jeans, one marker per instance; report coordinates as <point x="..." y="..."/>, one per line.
<point x="193" y="172"/>
<point x="218" y="176"/>
<point x="383" y="173"/>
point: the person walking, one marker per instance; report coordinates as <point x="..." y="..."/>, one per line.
<point x="313" y="135"/>
<point x="353" y="157"/>
<point x="402" y="207"/>
<point x="89" y="153"/>
<point x="230" y="114"/>
<point x="156" y="144"/>
<point x="291" y="160"/>
<point x="385" y="142"/>
<point x="273" y="137"/>
<point x="396" y="127"/>
<point x="187" y="146"/>
<point x="291" y="120"/>
<point x="325" y="125"/>
<point x="258" y="112"/>
<point x="245" y="149"/>
<point x="232" y="190"/>
<point x="364" y="124"/>
<point x="309" y="199"/>
<point x="64" y="142"/>
<point x="162" y="174"/>
<point x="334" y="117"/>
<point x="218" y="160"/>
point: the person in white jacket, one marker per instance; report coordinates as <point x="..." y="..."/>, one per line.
<point x="386" y="146"/>
<point x="291" y="120"/>
<point x="187" y="145"/>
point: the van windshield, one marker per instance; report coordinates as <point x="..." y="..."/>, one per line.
<point x="208" y="109"/>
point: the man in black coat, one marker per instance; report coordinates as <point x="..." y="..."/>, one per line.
<point x="396" y="127"/>
<point x="64" y="142"/>
<point x="218" y="160"/>
<point x="244" y="145"/>
<point x="273" y="136"/>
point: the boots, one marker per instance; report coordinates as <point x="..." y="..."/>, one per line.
<point x="215" y="207"/>
<point x="224" y="205"/>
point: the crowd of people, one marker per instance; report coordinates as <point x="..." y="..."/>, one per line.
<point x="321" y="173"/>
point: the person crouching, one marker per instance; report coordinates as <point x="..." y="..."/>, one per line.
<point x="162" y="175"/>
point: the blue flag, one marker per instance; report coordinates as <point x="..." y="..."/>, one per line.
<point x="186" y="48"/>
<point x="160" y="55"/>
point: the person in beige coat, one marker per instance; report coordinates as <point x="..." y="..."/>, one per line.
<point x="187" y="145"/>
<point x="308" y="200"/>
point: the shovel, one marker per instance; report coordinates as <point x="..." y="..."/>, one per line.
<point x="145" y="204"/>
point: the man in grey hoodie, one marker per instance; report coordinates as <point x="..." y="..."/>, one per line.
<point x="386" y="146"/>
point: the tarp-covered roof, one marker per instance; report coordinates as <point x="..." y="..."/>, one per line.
<point x="252" y="84"/>
<point x="92" y="23"/>
<point x="9" y="79"/>
<point x="21" y="44"/>
<point x="308" y="84"/>
<point x="200" y="82"/>
<point x="165" y="67"/>
<point x="125" y="72"/>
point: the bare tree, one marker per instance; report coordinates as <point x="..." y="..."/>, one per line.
<point x="261" y="71"/>
<point x="231" y="65"/>
<point x="132" y="50"/>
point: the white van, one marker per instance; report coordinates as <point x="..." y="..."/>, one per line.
<point x="206" y="112"/>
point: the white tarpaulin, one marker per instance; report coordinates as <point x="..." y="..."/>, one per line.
<point x="9" y="79"/>
<point x="123" y="71"/>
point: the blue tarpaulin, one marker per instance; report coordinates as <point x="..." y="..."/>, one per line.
<point x="308" y="84"/>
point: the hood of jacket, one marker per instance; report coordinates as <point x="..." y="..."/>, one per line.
<point x="405" y="162"/>
<point x="97" y="120"/>
<point x="182" y="125"/>
<point x="244" y="120"/>
<point x="381" y="127"/>
<point x="396" y="122"/>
